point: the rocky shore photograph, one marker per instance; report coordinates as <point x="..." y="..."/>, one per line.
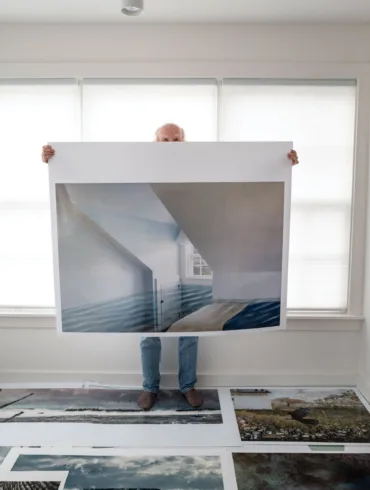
<point x="301" y="415"/>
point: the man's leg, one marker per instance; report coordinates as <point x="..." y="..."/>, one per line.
<point x="188" y="354"/>
<point x="150" y="348"/>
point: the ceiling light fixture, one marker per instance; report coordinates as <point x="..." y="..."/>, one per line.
<point x="132" y="7"/>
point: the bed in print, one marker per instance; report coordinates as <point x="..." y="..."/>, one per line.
<point x="224" y="316"/>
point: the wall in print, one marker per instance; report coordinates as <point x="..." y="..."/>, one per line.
<point x="302" y="471"/>
<point x="301" y="415"/>
<point x="101" y="406"/>
<point x="172" y="257"/>
<point x="126" y="472"/>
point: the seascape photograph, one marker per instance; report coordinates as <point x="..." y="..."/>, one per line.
<point x="285" y="471"/>
<point x="171" y="257"/>
<point x="301" y="415"/>
<point x="127" y="472"/>
<point x="103" y="406"/>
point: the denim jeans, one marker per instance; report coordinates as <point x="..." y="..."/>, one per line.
<point x="151" y="355"/>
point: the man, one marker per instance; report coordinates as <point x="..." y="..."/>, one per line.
<point x="151" y="346"/>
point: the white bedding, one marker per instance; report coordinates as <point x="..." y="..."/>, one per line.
<point x="210" y="318"/>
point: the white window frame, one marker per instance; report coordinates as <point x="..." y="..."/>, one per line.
<point x="190" y="254"/>
<point x="360" y="72"/>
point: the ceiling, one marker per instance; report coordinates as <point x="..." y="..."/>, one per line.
<point x="207" y="11"/>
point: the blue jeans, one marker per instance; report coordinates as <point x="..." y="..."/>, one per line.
<point x="151" y="355"/>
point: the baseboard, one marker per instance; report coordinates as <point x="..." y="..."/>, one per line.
<point x="40" y="379"/>
<point x="364" y="386"/>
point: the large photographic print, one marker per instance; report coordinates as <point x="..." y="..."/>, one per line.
<point x="103" y="406"/>
<point x="127" y="471"/>
<point x="302" y="471"/>
<point x="170" y="257"/>
<point x="301" y="415"/>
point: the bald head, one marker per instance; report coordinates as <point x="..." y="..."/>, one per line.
<point x="170" y="133"/>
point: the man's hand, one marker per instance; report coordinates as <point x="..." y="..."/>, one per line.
<point x="293" y="157"/>
<point x="47" y="153"/>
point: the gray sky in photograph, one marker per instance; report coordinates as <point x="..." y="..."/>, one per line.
<point x="162" y="472"/>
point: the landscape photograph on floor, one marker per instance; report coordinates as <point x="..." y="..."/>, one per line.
<point x="29" y="485"/>
<point x="104" y="406"/>
<point x="301" y="415"/>
<point x="287" y="471"/>
<point x="94" y="471"/>
<point x="173" y="257"/>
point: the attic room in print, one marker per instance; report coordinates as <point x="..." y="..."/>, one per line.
<point x="171" y="257"/>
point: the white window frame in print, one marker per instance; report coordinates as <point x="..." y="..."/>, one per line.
<point x="192" y="255"/>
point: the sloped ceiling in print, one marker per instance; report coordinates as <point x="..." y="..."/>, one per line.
<point x="236" y="227"/>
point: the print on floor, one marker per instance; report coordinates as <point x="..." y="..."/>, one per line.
<point x="120" y="471"/>
<point x="285" y="471"/>
<point x="103" y="406"/>
<point x="172" y="257"/>
<point x="301" y="415"/>
<point x="29" y="485"/>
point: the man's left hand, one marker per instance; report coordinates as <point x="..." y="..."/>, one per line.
<point x="293" y="157"/>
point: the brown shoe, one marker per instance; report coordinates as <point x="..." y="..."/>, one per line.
<point x="146" y="400"/>
<point x="194" y="398"/>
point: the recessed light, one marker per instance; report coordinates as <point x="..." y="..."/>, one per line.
<point x="132" y="7"/>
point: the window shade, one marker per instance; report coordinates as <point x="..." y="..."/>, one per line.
<point x="32" y="112"/>
<point x="131" y="110"/>
<point x="319" y="117"/>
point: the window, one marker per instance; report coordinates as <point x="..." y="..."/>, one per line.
<point x="318" y="116"/>
<point x="31" y="114"/>
<point x="131" y="110"/>
<point x="197" y="267"/>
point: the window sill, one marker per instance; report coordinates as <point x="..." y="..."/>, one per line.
<point x="44" y="318"/>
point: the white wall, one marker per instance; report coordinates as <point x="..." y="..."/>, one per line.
<point x="319" y="356"/>
<point x="92" y="270"/>
<point x="111" y="43"/>
<point x="136" y="208"/>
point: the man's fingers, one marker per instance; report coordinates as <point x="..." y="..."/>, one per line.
<point x="48" y="148"/>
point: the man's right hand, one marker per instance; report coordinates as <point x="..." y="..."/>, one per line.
<point x="47" y="153"/>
